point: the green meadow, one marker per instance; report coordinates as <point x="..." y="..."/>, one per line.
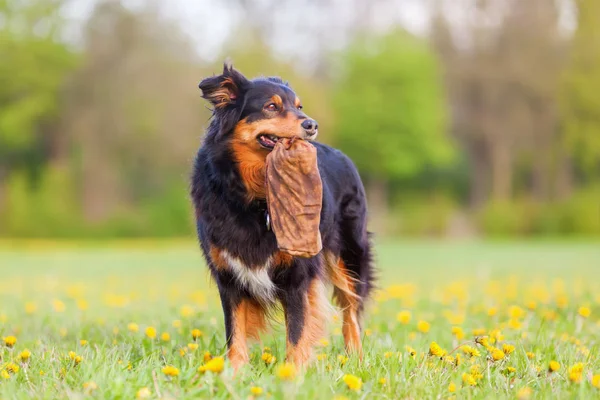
<point x="141" y="319"/>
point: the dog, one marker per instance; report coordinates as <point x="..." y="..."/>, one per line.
<point x="228" y="192"/>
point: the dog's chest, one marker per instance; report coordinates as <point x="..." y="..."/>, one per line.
<point x="255" y="279"/>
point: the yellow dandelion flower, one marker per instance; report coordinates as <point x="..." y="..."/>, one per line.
<point x="412" y="336"/>
<point x="10" y="341"/>
<point x="324" y="342"/>
<point x="186" y="311"/>
<point x="458" y="360"/>
<point x="183" y="351"/>
<point x="268" y="358"/>
<point x="170" y="370"/>
<point x="423" y="326"/>
<point x="497" y="354"/>
<point x="353" y="382"/>
<point x="524" y="393"/>
<point x="404" y="317"/>
<point x="30" y="307"/>
<point x="133" y="327"/>
<point x="383" y="381"/>
<point x="531" y="305"/>
<point x="411" y="351"/>
<point x="483" y="340"/>
<point x="192" y="346"/>
<point x="530" y="355"/>
<point x="553" y="366"/>
<point x="596" y="381"/>
<point x="287" y="372"/>
<point x="75" y="357"/>
<point x="458" y="332"/>
<point x="176" y="324"/>
<point x="516" y="312"/>
<point x="321" y="356"/>
<point x="584" y="311"/>
<point x="468" y="379"/>
<point x="342" y="359"/>
<point x="4" y="374"/>
<point x="449" y="360"/>
<point x="24" y="355"/>
<point x="436" y="350"/>
<point x="514" y="323"/>
<point x="475" y="372"/>
<point x="151" y="332"/>
<point x="215" y="365"/>
<point x="337" y="331"/>
<point x="196" y="334"/>
<point x="479" y="332"/>
<point x="115" y="331"/>
<point x="90" y="386"/>
<point x="470" y="351"/>
<point x="81" y="304"/>
<point x="83" y="342"/>
<point x="12" y="368"/>
<point x="550" y="315"/>
<point x="508" y="348"/>
<point x="165" y="337"/>
<point x="492" y="311"/>
<point x="452" y="387"/>
<point x="58" y="306"/>
<point x="509" y="371"/>
<point x="206" y="356"/>
<point x="143" y="393"/>
<point x="256" y="390"/>
<point x="576" y="373"/>
<point x="368" y="332"/>
<point x="497" y="335"/>
<point x="388" y="354"/>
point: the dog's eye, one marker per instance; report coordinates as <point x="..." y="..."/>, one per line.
<point x="271" y="107"/>
<point x="300" y="107"/>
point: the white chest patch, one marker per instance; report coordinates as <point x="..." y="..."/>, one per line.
<point x="256" y="280"/>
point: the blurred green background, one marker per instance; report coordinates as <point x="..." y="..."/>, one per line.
<point x="465" y="117"/>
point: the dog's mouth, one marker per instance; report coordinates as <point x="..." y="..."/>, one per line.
<point x="267" y="141"/>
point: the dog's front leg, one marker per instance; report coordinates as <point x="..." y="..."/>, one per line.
<point x="305" y="316"/>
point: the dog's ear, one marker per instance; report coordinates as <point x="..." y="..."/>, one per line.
<point x="226" y="89"/>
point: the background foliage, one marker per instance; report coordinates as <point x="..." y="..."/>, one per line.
<point x="487" y="122"/>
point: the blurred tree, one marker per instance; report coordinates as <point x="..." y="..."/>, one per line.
<point x="580" y="103"/>
<point x="503" y="86"/>
<point x="390" y="110"/>
<point x="134" y="110"/>
<point x="33" y="69"/>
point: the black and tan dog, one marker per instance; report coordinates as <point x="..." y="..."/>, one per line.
<point x="228" y="191"/>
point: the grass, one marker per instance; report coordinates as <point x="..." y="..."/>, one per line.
<point x="84" y="313"/>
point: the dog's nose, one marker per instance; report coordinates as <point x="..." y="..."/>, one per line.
<point x="310" y="126"/>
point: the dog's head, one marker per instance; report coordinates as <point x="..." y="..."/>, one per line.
<point x="250" y="116"/>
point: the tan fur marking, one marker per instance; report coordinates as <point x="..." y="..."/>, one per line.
<point x="251" y="164"/>
<point x="346" y="297"/>
<point x="248" y="322"/>
<point x="297" y="102"/>
<point x="217" y="258"/>
<point x="281" y="259"/>
<point x="278" y="101"/>
<point x="225" y="94"/>
<point x="315" y="317"/>
<point x="251" y="157"/>
<point x="339" y="277"/>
